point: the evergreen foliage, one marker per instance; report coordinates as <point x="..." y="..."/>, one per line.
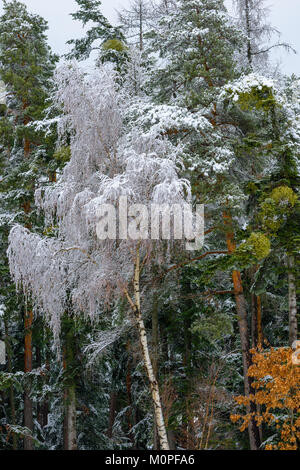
<point x="141" y="344"/>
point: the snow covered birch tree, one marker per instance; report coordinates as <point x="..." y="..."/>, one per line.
<point x="109" y="161"/>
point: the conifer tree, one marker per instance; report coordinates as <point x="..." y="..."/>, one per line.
<point x="197" y="43"/>
<point x="191" y="107"/>
<point x="26" y="68"/>
<point x="108" y="40"/>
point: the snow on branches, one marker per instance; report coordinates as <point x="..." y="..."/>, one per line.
<point x="35" y="268"/>
<point x="109" y="159"/>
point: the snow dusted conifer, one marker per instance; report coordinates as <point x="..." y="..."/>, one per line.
<point x="197" y="45"/>
<point x="26" y="69"/>
<point x="108" y="40"/>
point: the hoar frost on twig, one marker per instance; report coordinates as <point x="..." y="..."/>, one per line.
<point x="107" y="161"/>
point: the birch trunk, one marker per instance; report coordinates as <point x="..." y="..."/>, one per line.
<point x="293" y="325"/>
<point x="155" y="363"/>
<point x="161" y="429"/>
<point x="136" y="307"/>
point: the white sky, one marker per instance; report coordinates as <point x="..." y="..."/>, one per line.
<point x="285" y="16"/>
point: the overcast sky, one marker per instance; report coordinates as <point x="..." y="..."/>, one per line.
<point x="285" y="16"/>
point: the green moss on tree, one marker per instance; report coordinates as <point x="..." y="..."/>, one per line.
<point x="284" y="195"/>
<point x="258" y="247"/>
<point x="114" y="44"/>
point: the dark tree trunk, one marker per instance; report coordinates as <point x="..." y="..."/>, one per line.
<point x="70" y="436"/>
<point x="42" y="408"/>
<point x="257" y="336"/>
<point x="241" y="307"/>
<point x="248" y="32"/>
<point x="112" y="413"/>
<point x="293" y="324"/>
<point x="69" y="363"/>
<point x="28" y="416"/>
<point x="141" y="26"/>
<point x="11" y="388"/>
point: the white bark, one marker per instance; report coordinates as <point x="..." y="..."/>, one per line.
<point x="136" y="306"/>
<point x="161" y="429"/>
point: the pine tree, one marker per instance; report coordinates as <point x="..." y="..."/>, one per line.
<point x="197" y="44"/>
<point x="26" y="68"/>
<point x="108" y="40"/>
<point x="141" y="344"/>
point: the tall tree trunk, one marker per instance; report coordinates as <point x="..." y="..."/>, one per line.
<point x="112" y="412"/>
<point x="293" y="324"/>
<point x="26" y="121"/>
<point x="42" y="407"/>
<point x="28" y="417"/>
<point x="241" y="308"/>
<point x="69" y="362"/>
<point x="136" y="307"/>
<point x="70" y="435"/>
<point x="166" y="359"/>
<point x="248" y="32"/>
<point x="141" y="25"/>
<point x="188" y="386"/>
<point x="131" y="407"/>
<point x="257" y="339"/>
<point x="155" y="363"/>
<point x="161" y="429"/>
<point x="11" y="388"/>
<point x="257" y="336"/>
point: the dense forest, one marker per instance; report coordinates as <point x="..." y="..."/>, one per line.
<point x="132" y="341"/>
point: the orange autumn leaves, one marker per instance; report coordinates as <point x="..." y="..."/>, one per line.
<point x="277" y="396"/>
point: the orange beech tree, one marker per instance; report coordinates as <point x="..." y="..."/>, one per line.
<point x="277" y="384"/>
